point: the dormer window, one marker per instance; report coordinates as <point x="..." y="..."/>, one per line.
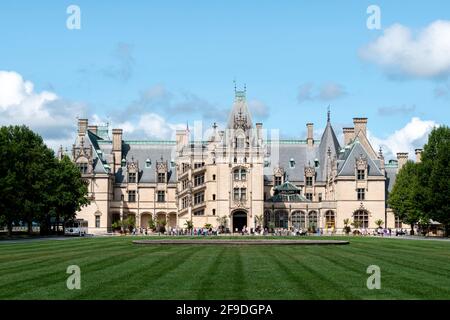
<point x="292" y="163"/>
<point x="309" y="181"/>
<point x="83" y="166"/>
<point x="161" y="177"/>
<point x="277" y="181"/>
<point x="148" y="163"/>
<point x="124" y="163"/>
<point x="132" y="177"/>
<point x="316" y="163"/>
<point x="361" y="174"/>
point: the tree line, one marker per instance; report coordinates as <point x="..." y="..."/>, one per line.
<point x="422" y="189"/>
<point x="35" y="186"/>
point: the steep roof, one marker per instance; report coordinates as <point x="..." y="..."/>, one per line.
<point x="240" y="110"/>
<point x="327" y="142"/>
<point x="347" y="160"/>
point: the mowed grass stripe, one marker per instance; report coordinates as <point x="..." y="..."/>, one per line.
<point x="114" y="268"/>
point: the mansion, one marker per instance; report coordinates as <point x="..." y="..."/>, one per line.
<point x="236" y="177"/>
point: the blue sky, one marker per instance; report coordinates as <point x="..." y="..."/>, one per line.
<point x="177" y="60"/>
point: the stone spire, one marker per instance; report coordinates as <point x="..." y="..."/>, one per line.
<point x="240" y="116"/>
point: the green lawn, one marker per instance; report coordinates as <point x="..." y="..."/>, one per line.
<point x="114" y="268"/>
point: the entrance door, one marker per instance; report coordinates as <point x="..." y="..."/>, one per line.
<point x="239" y="220"/>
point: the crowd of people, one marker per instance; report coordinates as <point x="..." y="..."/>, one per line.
<point x="213" y="231"/>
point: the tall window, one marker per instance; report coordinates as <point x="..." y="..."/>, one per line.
<point x="362" y="217"/>
<point x="309" y="181"/>
<point x="161" y="177"/>
<point x="361" y="174"/>
<point x="240" y="142"/>
<point x="83" y="166"/>
<point x="214" y="197"/>
<point x="184" y="202"/>
<point x="277" y="181"/>
<point x="97" y="221"/>
<point x="281" y="219"/>
<point x="132" y="196"/>
<point x="161" y="196"/>
<point x="361" y="194"/>
<point x="312" y="219"/>
<point x="309" y="196"/>
<point x="240" y="174"/>
<point x="199" y="197"/>
<point x="132" y="177"/>
<point x="214" y="177"/>
<point x="199" y="180"/>
<point x="298" y="220"/>
<point x="330" y="219"/>
<point x="240" y="194"/>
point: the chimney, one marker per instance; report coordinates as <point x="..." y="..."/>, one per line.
<point x="402" y="157"/>
<point x="418" y="155"/>
<point x="310" y="138"/>
<point x="92" y="128"/>
<point x="360" y="125"/>
<point x="349" y="135"/>
<point x="82" y="126"/>
<point x="182" y="139"/>
<point x="117" y="148"/>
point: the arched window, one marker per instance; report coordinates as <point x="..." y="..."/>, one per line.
<point x="330" y="219"/>
<point x="312" y="219"/>
<point x="362" y="218"/>
<point x="298" y="220"/>
<point x="281" y="219"/>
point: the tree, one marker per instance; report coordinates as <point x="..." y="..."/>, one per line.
<point x="406" y="198"/>
<point x="379" y="223"/>
<point x="67" y="192"/>
<point x="347" y="228"/>
<point x="24" y="159"/>
<point x="435" y="177"/>
<point x="259" y="220"/>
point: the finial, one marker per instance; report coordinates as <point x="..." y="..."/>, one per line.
<point x="245" y="87"/>
<point x="328" y="114"/>
<point x="214" y="126"/>
<point x="380" y="152"/>
<point x="234" y="81"/>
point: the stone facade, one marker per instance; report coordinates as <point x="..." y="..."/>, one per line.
<point x="236" y="177"/>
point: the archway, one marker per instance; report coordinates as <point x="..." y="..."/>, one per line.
<point x="239" y="220"/>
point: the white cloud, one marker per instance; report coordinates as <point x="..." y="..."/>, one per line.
<point x="44" y="112"/>
<point x="325" y="92"/>
<point x="399" y="51"/>
<point x="258" y="109"/>
<point x="412" y="136"/>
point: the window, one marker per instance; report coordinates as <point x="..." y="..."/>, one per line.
<point x="161" y="196"/>
<point x="185" y="184"/>
<point x="121" y="197"/>
<point x="199" y="180"/>
<point x="132" y="196"/>
<point x="214" y="212"/>
<point x="277" y="181"/>
<point x="83" y="166"/>
<point x="281" y="219"/>
<point x="292" y="163"/>
<point x="312" y="219"/>
<point x="199" y="212"/>
<point x="184" y="202"/>
<point x="240" y="174"/>
<point x="214" y="177"/>
<point x="161" y="177"/>
<point x="199" y="165"/>
<point x="240" y="194"/>
<point x="214" y="197"/>
<point x="361" y="174"/>
<point x="361" y="217"/>
<point x="132" y="177"/>
<point x="309" y="181"/>
<point x="199" y="197"/>
<point x="240" y="142"/>
<point x="97" y="221"/>
<point x="298" y="220"/>
<point x="330" y="220"/>
<point x="148" y="163"/>
<point x="309" y="196"/>
<point x="398" y="223"/>
<point x="361" y="194"/>
<point x="320" y="197"/>
<point x="124" y="163"/>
